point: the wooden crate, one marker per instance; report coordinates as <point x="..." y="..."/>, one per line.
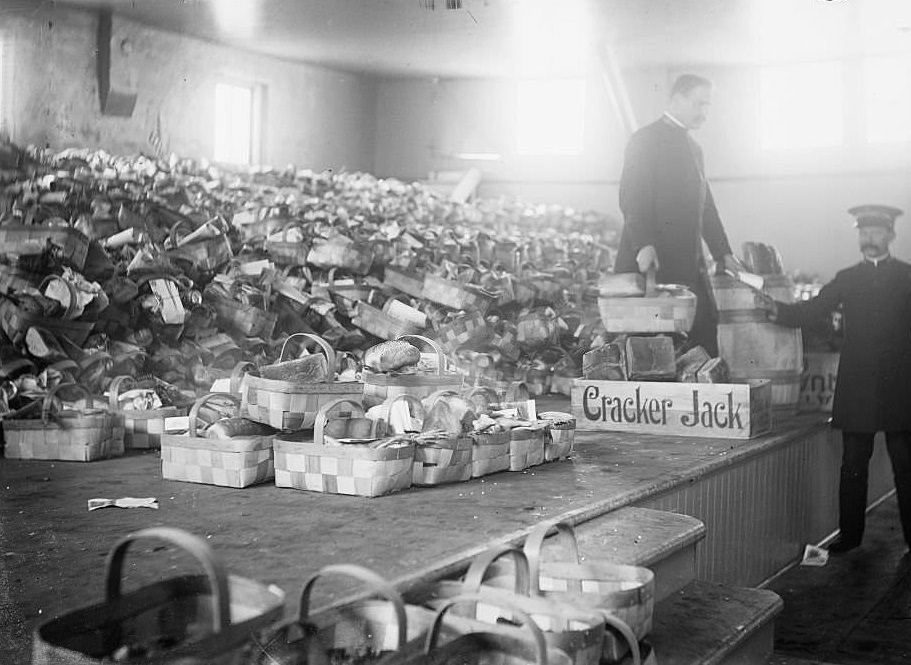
<point x="817" y="383"/>
<point x="722" y="410"/>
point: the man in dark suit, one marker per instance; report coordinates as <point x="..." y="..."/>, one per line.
<point x="668" y="207"/>
<point x="873" y="387"/>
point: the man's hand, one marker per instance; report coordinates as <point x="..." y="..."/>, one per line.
<point x="765" y="302"/>
<point x="647" y="258"/>
<point x="733" y="264"/>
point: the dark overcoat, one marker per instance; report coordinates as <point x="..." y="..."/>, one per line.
<point x="873" y="387"/>
<point x="666" y="202"/>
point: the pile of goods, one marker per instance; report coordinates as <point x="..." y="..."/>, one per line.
<point x="183" y="277"/>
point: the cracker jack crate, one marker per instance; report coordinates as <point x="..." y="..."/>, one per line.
<point x="716" y="410"/>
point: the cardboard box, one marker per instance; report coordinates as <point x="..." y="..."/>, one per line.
<point x="817" y="383"/>
<point x="722" y="410"/>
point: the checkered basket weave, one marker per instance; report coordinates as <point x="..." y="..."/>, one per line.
<point x="380" y="386"/>
<point x="238" y="463"/>
<point x="622" y="591"/>
<point x="462" y="330"/>
<point x="141" y="428"/>
<point x="410" y="283"/>
<point x="380" y="324"/>
<point x="20" y="239"/>
<point x="288" y="252"/>
<point x="205" y="255"/>
<point x="342" y="253"/>
<point x="76" y="436"/>
<point x="562" y="434"/>
<point x="491" y="448"/>
<point x="353" y="469"/>
<point x="455" y="294"/>
<point x="290" y="405"/>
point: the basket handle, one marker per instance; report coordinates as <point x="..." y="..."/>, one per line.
<point x="535" y="541"/>
<point x="199" y="549"/>
<point x="433" y="635"/>
<point x="330" y="354"/>
<point x="93" y="359"/>
<point x="291" y="225"/>
<point x="378" y="586"/>
<point x="114" y="389"/>
<point x="71" y="304"/>
<point x="49" y="398"/>
<point x="319" y="425"/>
<point x="411" y="400"/>
<point x="518" y="392"/>
<point x="175" y="239"/>
<point x="623" y="628"/>
<point x="434" y="396"/>
<point x="441" y="358"/>
<point x="489" y="392"/>
<point x="237" y="375"/>
<point x="481" y="564"/>
<point x="650" y="282"/>
<point x="198" y="404"/>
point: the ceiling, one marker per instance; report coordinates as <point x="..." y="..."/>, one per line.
<point x="531" y="37"/>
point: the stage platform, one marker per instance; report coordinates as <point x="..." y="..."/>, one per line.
<point x="761" y="501"/>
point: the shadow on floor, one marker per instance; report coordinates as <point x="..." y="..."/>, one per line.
<point x="854" y="610"/>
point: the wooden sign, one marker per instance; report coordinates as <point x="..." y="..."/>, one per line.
<point x="817" y="383"/>
<point x="723" y="410"/>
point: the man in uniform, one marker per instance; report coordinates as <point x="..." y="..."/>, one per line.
<point x="873" y="388"/>
<point x="668" y="207"/>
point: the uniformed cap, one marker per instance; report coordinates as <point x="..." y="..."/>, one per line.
<point x="875" y="215"/>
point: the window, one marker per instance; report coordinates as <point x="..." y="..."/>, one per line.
<point x="237" y="123"/>
<point x="550" y="117"/>
<point x="801" y="106"/>
<point x="887" y="99"/>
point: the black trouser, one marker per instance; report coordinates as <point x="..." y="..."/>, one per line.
<point x="705" y="324"/>
<point x="852" y="492"/>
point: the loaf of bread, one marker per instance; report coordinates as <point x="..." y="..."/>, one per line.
<point x="227" y="428"/>
<point x="391" y="356"/>
<point x="312" y="368"/>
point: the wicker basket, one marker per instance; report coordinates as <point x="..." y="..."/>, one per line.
<point x="562" y="435"/>
<point x="285" y="252"/>
<point x="455" y="294"/>
<point x="379" y="386"/>
<point x="347" y="296"/>
<point x="76" y="436"/>
<point x="293" y="406"/>
<point x="212" y="618"/>
<point x="238" y="463"/>
<point x="356" y="469"/>
<point x="491" y="449"/>
<point x="663" y="309"/>
<point x="380" y="324"/>
<point x="341" y="253"/>
<point x="410" y="283"/>
<point x="460" y="331"/>
<point x="16" y="322"/>
<point x="365" y="630"/>
<point x="141" y="428"/>
<point x="240" y="318"/>
<point x="205" y="255"/>
<point x="624" y="592"/>
<point x="17" y="240"/>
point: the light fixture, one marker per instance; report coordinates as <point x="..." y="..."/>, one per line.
<point x="431" y="5"/>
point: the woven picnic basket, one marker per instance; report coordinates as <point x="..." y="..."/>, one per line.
<point x="70" y="435"/>
<point x="661" y="310"/>
<point x="526" y="443"/>
<point x="622" y="591"/>
<point x="490" y="452"/>
<point x="288" y="252"/>
<point x="206" y="255"/>
<point x="380" y="386"/>
<point x="241" y="318"/>
<point x="235" y="462"/>
<point x="290" y="405"/>
<point x="141" y="428"/>
<point x="346" y="294"/>
<point x="303" y="460"/>
<point x="562" y="434"/>
<point x="455" y="294"/>
<point x="24" y="239"/>
<point x="408" y="282"/>
<point x="461" y="330"/>
<point x="374" y="627"/>
<point x="381" y="324"/>
<point x="210" y="619"/>
<point x="577" y="631"/>
<point x="340" y="252"/>
<point x="15" y="321"/>
<point x="438" y="459"/>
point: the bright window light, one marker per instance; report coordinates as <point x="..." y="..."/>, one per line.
<point x="550" y="117"/>
<point x="801" y="106"/>
<point x="234" y="123"/>
<point x="887" y="98"/>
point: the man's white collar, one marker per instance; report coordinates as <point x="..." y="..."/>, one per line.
<point x="674" y="120"/>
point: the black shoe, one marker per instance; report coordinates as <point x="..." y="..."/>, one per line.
<point x="841" y="545"/>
